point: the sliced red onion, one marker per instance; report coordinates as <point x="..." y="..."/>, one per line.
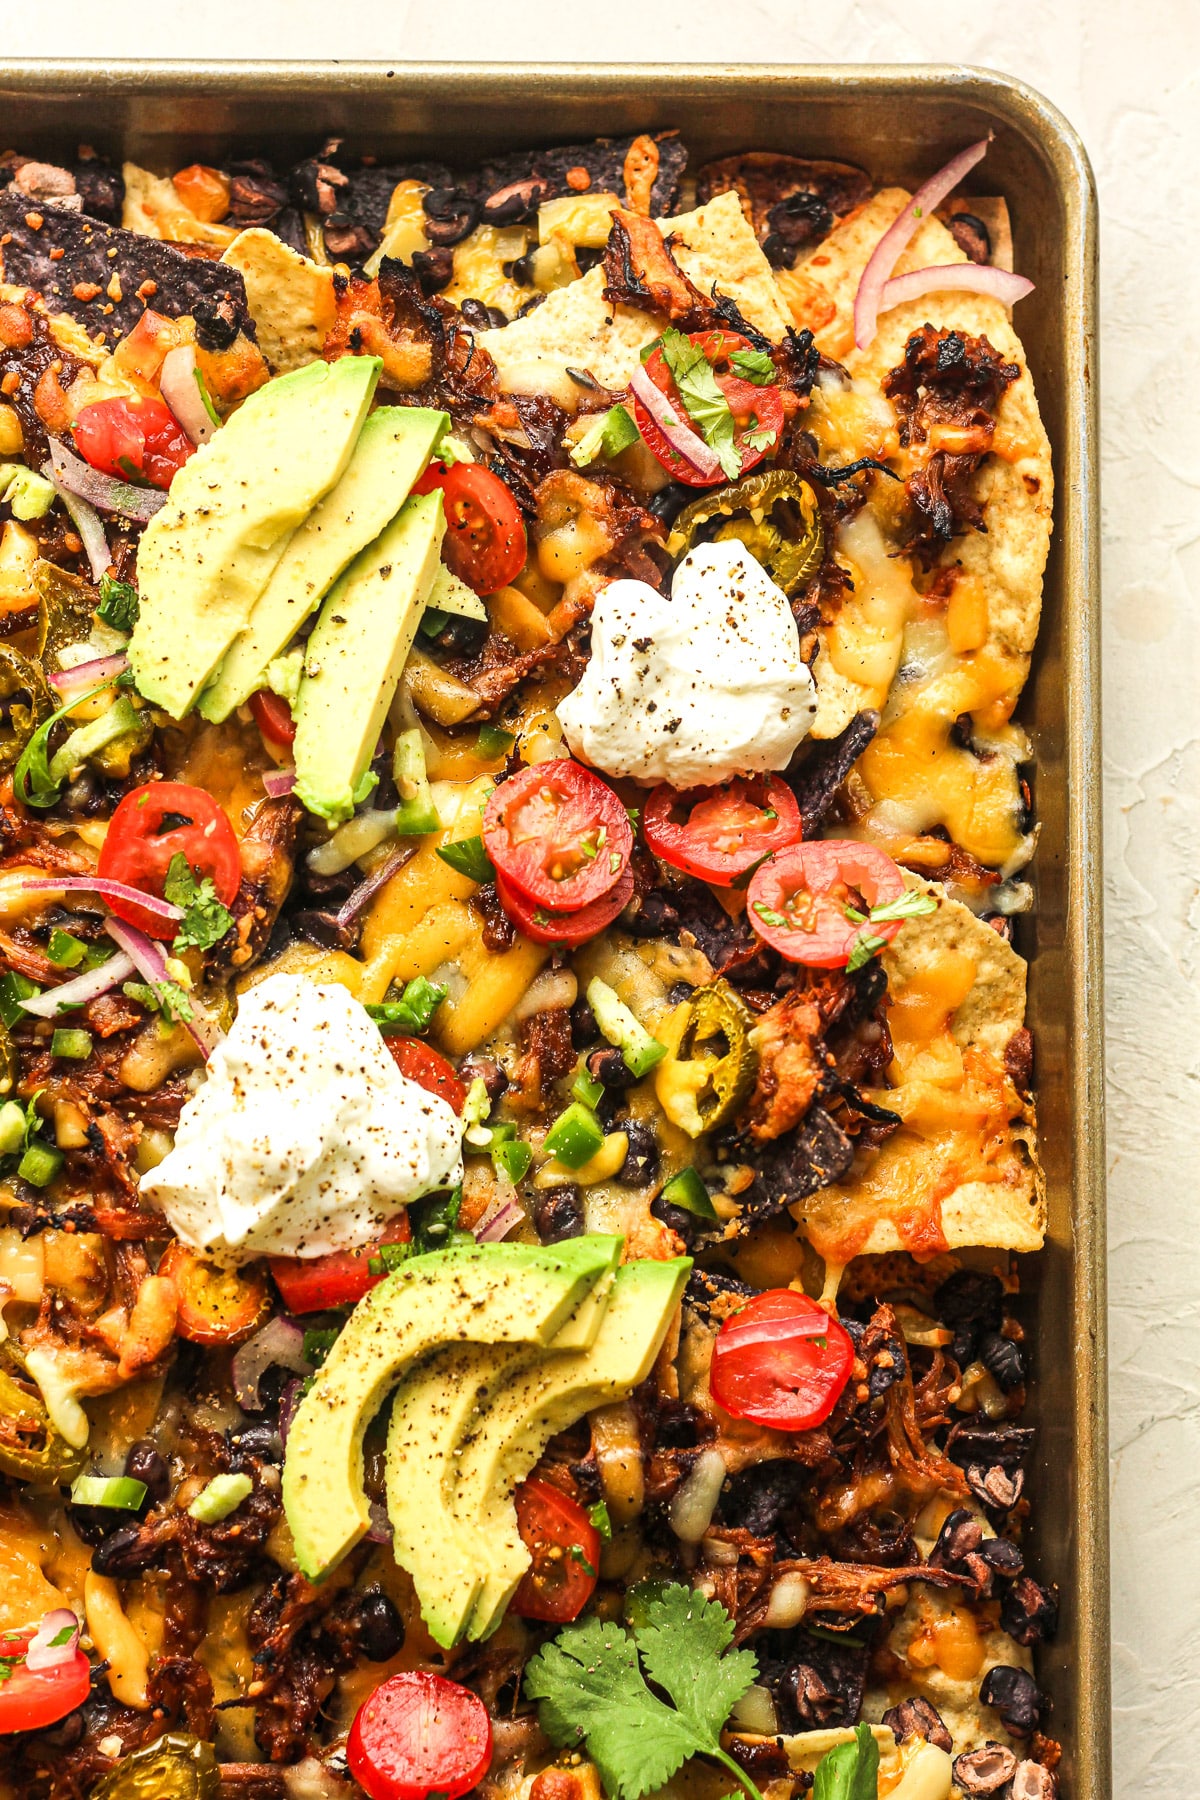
<point x="491" y="1230"/>
<point x="43" y="1652"/>
<point x="279" y="782"/>
<point x="107" y="890"/>
<point x="82" y="989"/>
<point x="151" y="965"/>
<point x="380" y="1531"/>
<point x="180" y="388"/>
<point x="289" y="1406"/>
<point x="366" y="890"/>
<point x="78" y="477"/>
<point x="968" y="277"/>
<point x="103" y="668"/>
<point x="682" y="439"/>
<point x="87" y="523"/>
<point x="280" y="1342"/>
<point x="899" y="234"/>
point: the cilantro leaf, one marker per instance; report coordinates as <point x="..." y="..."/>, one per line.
<point x="205" y="921"/>
<point x="911" y="904"/>
<point x="119" y="604"/>
<point x="758" y="440"/>
<point x="468" y="857"/>
<point x="753" y="365"/>
<point x="849" y="1771"/>
<point x="166" y="997"/>
<point x="413" y="1011"/>
<point x="611" y="433"/>
<point x="705" y="404"/>
<point x="681" y="1647"/>
<point x="864" y="949"/>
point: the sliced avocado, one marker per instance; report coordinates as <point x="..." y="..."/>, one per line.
<point x="481" y="1294"/>
<point x="356" y="655"/>
<point x="545" y="1396"/>
<point x="432" y="1410"/>
<point x="449" y="594"/>
<point x="205" y="558"/>
<point x="393" y="448"/>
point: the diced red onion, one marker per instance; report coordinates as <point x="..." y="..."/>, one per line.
<point x="969" y="277"/>
<point x="103" y="668"/>
<point x="107" y="890"/>
<point x="279" y="782"/>
<point x="682" y="439"/>
<point x="151" y="964"/>
<point x="78" y="477"/>
<point x="501" y="1222"/>
<point x="43" y="1652"/>
<point x="87" y="523"/>
<point x="380" y="1530"/>
<point x="179" y="388"/>
<point x="366" y="890"/>
<point x="84" y="988"/>
<point x="899" y="234"/>
<point x="279" y="1342"/>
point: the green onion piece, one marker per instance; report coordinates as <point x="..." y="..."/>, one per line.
<point x="416" y="813"/>
<point x="65" y="951"/>
<point x="13" y="989"/>
<point x="574" y="1137"/>
<point x="686" y="1190"/>
<point x="586" y="1089"/>
<point x="494" y="741"/>
<point x="512" y="1158"/>
<point x="40" y="1164"/>
<point x="640" y="1051"/>
<point x="12" y="1128"/>
<point x="77" y="1045"/>
<point x="468" y="857"/>
<point x="223" y="1495"/>
<point x="121" y="1492"/>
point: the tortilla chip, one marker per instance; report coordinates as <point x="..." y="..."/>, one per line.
<point x="291" y="299"/>
<point x="956" y="1699"/>
<point x="576" y="327"/>
<point x="962" y="1169"/>
<point x="804" y="1749"/>
<point x="604" y="160"/>
<point x="106" y="277"/>
<point x="154" y="207"/>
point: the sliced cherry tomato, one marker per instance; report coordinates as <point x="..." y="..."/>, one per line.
<point x="485" y="543"/>
<point x="799" y="902"/>
<point x="314" y="1283"/>
<point x="718" y="833"/>
<point x="216" y="1305"/>
<point x="134" y="440"/>
<point x="781" y="1361"/>
<point x="31" y="1699"/>
<point x="150" y="826"/>
<point x="756" y="410"/>
<point x="428" y="1068"/>
<point x="557" y="834"/>
<point x="273" y="716"/>
<point x="546" y="927"/>
<point x="565" y="1547"/>
<point x="419" y="1734"/>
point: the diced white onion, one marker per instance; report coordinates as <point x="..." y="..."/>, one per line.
<point x="694" y="1503"/>
<point x="789" y="1599"/>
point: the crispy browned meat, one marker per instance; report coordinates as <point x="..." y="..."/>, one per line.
<point x="34" y="370"/>
<point x="641" y="271"/>
<point x="791" y="202"/>
<point x="547" y="1055"/>
<point x="267" y="865"/>
<point x="790" y="1064"/>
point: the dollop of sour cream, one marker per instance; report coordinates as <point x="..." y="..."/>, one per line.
<point x="305" y="1137"/>
<point x="696" y="688"/>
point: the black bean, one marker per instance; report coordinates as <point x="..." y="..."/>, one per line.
<point x="1029" y="1612"/>
<point x="961" y="1536"/>
<point x="641" y="1163"/>
<point x="1002" y="1359"/>
<point x="984" y="1771"/>
<point x="483" y="1068"/>
<point x="450" y="215"/>
<point x="476" y="314"/>
<point x="94" y="1523"/>
<point x="1015" y="1696"/>
<point x="558" y="1214"/>
<point x="434" y="268"/>
<point x="916" y="1718"/>
<point x="1003" y="1557"/>
<point x="609" y="1068"/>
<point x="675" y="1218"/>
<point x="514" y="203"/>
<point x="261" y="1441"/>
<point x="1033" y="1781"/>
<point x="380" y="1627"/>
<point x="997" y="1487"/>
<point x="129" y="1551"/>
<point x="584" y="1030"/>
<point x="145" y="1463"/>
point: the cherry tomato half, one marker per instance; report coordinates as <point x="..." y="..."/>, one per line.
<point x="31" y="1699"/>
<point x="134" y="440"/>
<point x="428" y="1068"/>
<point x="216" y="1305"/>
<point x="565" y="1547"/>
<point x="718" y="833"/>
<point x="150" y="826"/>
<point x="798" y="901"/>
<point x="546" y="927"/>
<point x="273" y="716"/>
<point x="781" y="1361"/>
<point x="419" y="1734"/>
<point x="557" y="834"/>
<point x="755" y="409"/>
<point x="485" y="543"/>
<point x="311" y="1284"/>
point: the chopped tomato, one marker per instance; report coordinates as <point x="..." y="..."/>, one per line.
<point x="31" y="1699"/>
<point x="204" y="191"/>
<point x="557" y="834"/>
<point x="811" y="902"/>
<point x="150" y="826"/>
<point x="781" y="1361"/>
<point x="718" y="833"/>
<point x="419" y="1734"/>
<point x="273" y="716"/>
<point x="546" y="927"/>
<point x="757" y="411"/>
<point x="565" y="1547"/>
<point x="134" y="440"/>
<point x="216" y="1305"/>
<point x="314" y="1283"/>
<point x="428" y="1068"/>
<point x="485" y="543"/>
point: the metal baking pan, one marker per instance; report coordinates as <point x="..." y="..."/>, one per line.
<point x="901" y="123"/>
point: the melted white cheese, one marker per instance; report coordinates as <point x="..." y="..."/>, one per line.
<point x="696" y="688"/>
<point x="305" y="1137"/>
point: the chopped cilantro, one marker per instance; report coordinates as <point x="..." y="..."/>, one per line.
<point x="413" y="1011"/>
<point x="753" y="365"/>
<point x="865" y="947"/>
<point x="205" y="921"/>
<point x="165" y="997"/>
<point x="468" y="857"/>
<point x="770" y="917"/>
<point x="911" y="904"/>
<point x="598" y="1515"/>
<point x="119" y="604"/>
<point x="319" y="1341"/>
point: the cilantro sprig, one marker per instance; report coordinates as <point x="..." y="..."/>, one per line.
<point x="205" y="921"/>
<point x="592" y="1687"/>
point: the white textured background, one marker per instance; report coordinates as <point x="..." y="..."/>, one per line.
<point x="1127" y="73"/>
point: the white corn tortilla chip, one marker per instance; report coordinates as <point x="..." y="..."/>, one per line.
<point x="290" y="298"/>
